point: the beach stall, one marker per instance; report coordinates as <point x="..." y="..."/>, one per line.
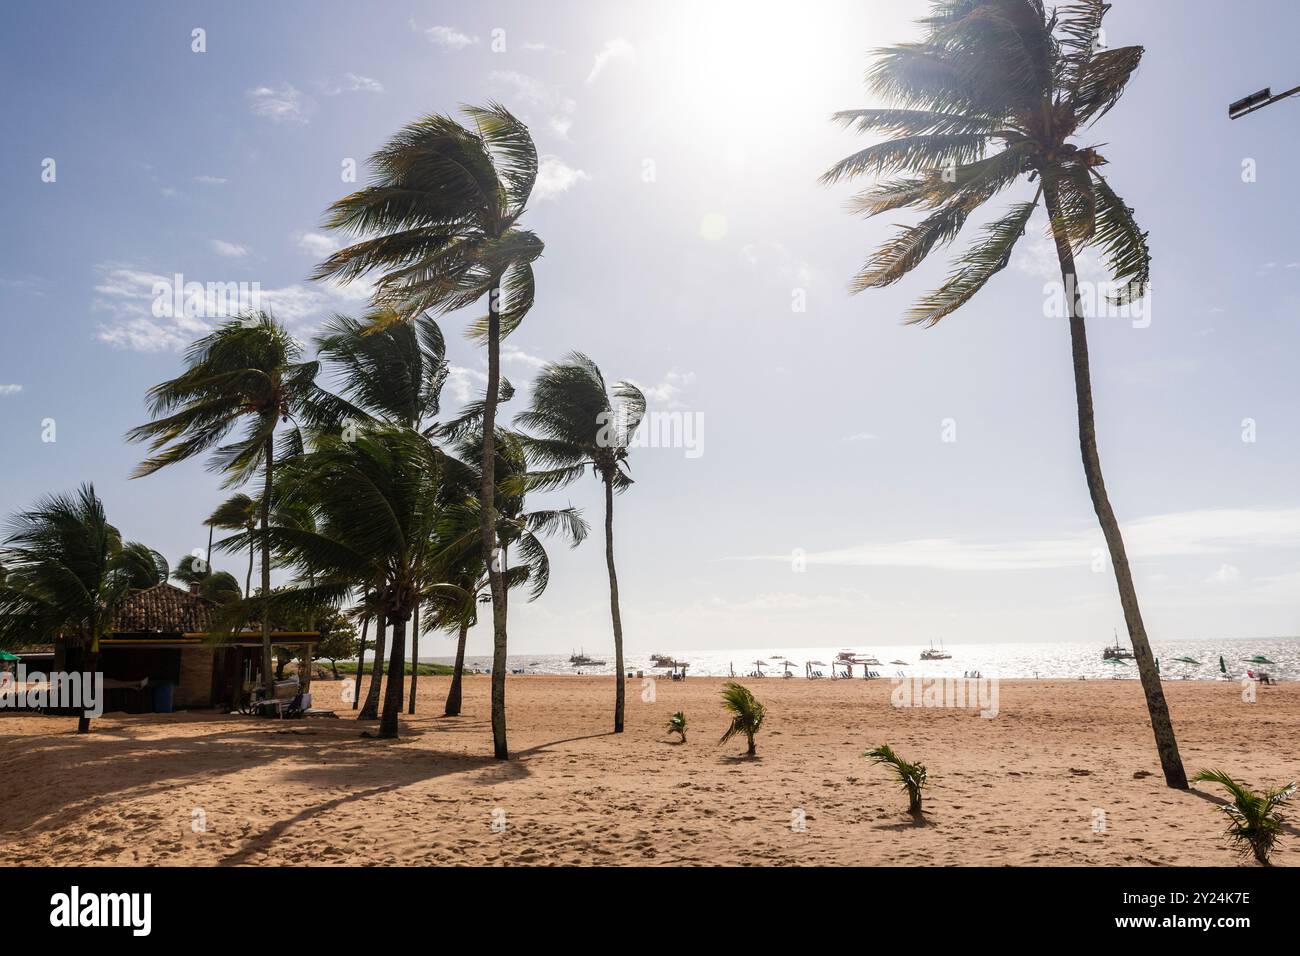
<point x="158" y="654"/>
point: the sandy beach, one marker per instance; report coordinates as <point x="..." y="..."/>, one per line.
<point x="1026" y="787"/>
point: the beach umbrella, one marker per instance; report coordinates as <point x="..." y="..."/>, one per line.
<point x="1258" y="659"/>
<point x="1115" y="660"/>
<point x="1223" y="668"/>
<point x="6" y="656"/>
<point x="1187" y="660"/>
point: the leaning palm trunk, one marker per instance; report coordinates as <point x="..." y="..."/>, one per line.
<point x="415" y="656"/>
<point x="267" y="681"/>
<point x="452" y="709"/>
<point x="393" y="693"/>
<point x="370" y="710"/>
<point x="619" y="676"/>
<point x="1166" y="745"/>
<point x="487" y="527"/>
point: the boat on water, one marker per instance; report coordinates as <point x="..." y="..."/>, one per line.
<point x="580" y="659"/>
<point x="933" y="654"/>
<point x="898" y="662"/>
<point x="1115" y="652"/>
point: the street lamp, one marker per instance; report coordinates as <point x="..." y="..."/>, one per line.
<point x="1257" y="101"/>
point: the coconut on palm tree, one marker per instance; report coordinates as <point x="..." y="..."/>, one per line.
<point x="439" y="226"/>
<point x="574" y="425"/>
<point x="995" y="93"/>
<point x="66" y="574"/>
<point x="246" y="372"/>
<point x="747" y="714"/>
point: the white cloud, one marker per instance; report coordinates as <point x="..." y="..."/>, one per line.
<point x="666" y="393"/>
<point x="142" y="315"/>
<point x="1188" y="533"/>
<point x="614" y="50"/>
<point x="449" y="37"/>
<point x="352" y="83"/>
<point x="1037" y="256"/>
<point x="230" y="250"/>
<point x="210" y="180"/>
<point x="541" y="96"/>
<point x="555" y="177"/>
<point x="10" y="389"/>
<point x="1226" y="574"/>
<point x="518" y="356"/>
<point x="465" y="384"/>
<point x="280" y="104"/>
<point x="317" y="244"/>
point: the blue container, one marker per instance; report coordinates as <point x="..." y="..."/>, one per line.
<point x="162" y="697"/>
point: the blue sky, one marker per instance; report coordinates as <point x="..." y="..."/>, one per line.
<point x="683" y="219"/>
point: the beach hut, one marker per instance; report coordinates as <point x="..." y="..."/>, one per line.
<point x="160" y="637"/>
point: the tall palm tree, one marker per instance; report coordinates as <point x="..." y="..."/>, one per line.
<point x="387" y="371"/>
<point x="375" y="502"/>
<point x="574" y="426"/>
<point x="1014" y="75"/>
<point x="440" y="225"/>
<point x="239" y="512"/>
<point x="66" y="575"/>
<point x="246" y="371"/>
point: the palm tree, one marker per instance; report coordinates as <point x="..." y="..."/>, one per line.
<point x="440" y="223"/>
<point x="145" y="566"/>
<point x="246" y="371"/>
<point x="66" y="575"/>
<point x="239" y="512"/>
<point x="677" y="725"/>
<point x="375" y="502"/>
<point x="387" y="371"/>
<point x="191" y="569"/>
<point x="1254" y="824"/>
<point x="220" y="587"/>
<point x="575" y="426"/>
<point x="747" y="713"/>
<point x="912" y="776"/>
<point x="1014" y="74"/>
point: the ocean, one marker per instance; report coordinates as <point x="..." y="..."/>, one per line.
<point x="1010" y="660"/>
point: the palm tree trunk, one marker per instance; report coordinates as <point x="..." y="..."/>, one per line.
<point x="361" y="663"/>
<point x="487" y="527"/>
<point x="393" y="693"/>
<point x="415" y="656"/>
<point x="89" y="661"/>
<point x="248" y="578"/>
<point x="620" y="691"/>
<point x="752" y="749"/>
<point x="453" y="695"/>
<point x="1163" y="727"/>
<point x="370" y="711"/>
<point x="208" y="560"/>
<point x="267" y="683"/>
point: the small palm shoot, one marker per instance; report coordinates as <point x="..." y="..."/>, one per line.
<point x="746" y="713"/>
<point x="677" y="725"/>
<point x="913" y="776"/>
<point x="1255" y="825"/>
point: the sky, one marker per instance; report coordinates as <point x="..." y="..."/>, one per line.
<point x="845" y="479"/>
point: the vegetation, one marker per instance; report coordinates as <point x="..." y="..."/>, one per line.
<point x="912" y="776"/>
<point x="747" y="714"/>
<point x="246" y="372"/>
<point x="1254" y="823"/>
<point x="677" y="725"/>
<point x="994" y="92"/>
<point x="440" y="225"/>
<point x="574" y="426"/>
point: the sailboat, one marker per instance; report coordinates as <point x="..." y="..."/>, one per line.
<point x="1116" y="653"/>
<point x="935" y="655"/>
